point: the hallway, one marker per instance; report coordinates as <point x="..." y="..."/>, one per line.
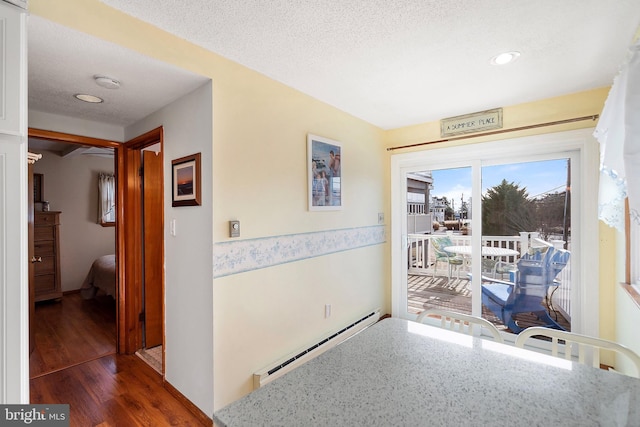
<point x="74" y="362"/>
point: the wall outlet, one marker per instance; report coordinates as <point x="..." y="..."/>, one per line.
<point x="380" y="218"/>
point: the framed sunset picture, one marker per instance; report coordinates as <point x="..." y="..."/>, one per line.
<point x="186" y="181"/>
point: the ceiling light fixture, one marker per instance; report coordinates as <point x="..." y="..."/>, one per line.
<point x="107" y="82"/>
<point x="505" y="58"/>
<point x="88" y="98"/>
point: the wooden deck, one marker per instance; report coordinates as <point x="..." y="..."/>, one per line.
<point x="424" y="292"/>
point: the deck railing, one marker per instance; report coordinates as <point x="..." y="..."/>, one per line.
<point x="416" y="208"/>
<point x="421" y="259"/>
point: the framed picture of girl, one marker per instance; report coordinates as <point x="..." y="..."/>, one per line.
<point x="324" y="165"/>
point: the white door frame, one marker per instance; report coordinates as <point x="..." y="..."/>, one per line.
<point x="585" y="236"/>
<point x="14" y="272"/>
<point x="14" y="241"/>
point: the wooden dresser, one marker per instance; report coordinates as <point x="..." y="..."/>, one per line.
<point x="46" y="255"/>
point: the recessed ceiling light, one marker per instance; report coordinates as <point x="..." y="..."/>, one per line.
<point x="505" y="58"/>
<point x="88" y="98"/>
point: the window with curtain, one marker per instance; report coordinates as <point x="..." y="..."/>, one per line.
<point x="107" y="202"/>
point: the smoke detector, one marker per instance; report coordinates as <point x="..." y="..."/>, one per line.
<point x="107" y="82"/>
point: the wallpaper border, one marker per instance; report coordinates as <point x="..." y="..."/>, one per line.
<point x="239" y="256"/>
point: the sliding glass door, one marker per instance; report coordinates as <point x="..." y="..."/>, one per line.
<point x="463" y="219"/>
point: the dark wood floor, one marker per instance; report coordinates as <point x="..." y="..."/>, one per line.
<point x="71" y="331"/>
<point x="74" y="363"/>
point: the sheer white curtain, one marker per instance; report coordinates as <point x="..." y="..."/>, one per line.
<point x="107" y="192"/>
<point x="618" y="133"/>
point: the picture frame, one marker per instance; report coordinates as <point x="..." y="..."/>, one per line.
<point x="185" y="181"/>
<point x="38" y="187"/>
<point x="324" y="167"/>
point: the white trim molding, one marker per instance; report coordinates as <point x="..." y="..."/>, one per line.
<point x="14" y="240"/>
<point x="14" y="272"/>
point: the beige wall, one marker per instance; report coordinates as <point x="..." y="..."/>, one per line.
<point x="547" y="110"/>
<point x="71" y="186"/>
<point x="627" y="313"/>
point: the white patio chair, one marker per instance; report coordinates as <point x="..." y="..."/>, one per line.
<point x="459" y="322"/>
<point x="582" y="343"/>
<point x="452" y="260"/>
<point x="502" y="268"/>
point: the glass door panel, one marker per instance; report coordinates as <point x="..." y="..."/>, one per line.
<point x="460" y="245"/>
<point x="526" y="210"/>
<point x="438" y="245"/>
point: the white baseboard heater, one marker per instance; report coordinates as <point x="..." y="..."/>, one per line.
<point x="290" y="362"/>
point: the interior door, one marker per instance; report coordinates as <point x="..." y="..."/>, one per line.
<point x="153" y="248"/>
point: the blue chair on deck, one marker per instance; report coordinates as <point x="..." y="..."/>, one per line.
<point x="536" y="272"/>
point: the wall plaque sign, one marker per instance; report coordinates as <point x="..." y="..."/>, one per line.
<point x="469" y="123"/>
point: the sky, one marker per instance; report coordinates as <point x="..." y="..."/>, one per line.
<point x="537" y="177"/>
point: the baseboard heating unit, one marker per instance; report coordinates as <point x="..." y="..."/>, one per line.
<point x="297" y="358"/>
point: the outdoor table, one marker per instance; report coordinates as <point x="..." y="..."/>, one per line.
<point x="403" y="373"/>
<point x="489" y="251"/>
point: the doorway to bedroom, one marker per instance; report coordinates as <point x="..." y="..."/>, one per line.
<point x="72" y="279"/>
<point x="132" y="317"/>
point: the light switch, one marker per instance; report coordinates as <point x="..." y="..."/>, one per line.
<point x="234" y="228"/>
<point x="172" y="227"/>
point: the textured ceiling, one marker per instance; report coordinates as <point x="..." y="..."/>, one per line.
<point x="395" y="63"/>
<point x="391" y="63"/>
<point x="62" y="62"/>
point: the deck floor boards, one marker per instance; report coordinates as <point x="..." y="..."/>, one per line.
<point x="424" y="292"/>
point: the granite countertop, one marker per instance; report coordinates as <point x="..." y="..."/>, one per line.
<point x="401" y="373"/>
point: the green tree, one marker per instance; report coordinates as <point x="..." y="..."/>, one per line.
<point x="448" y="211"/>
<point x="464" y="211"/>
<point x="507" y="210"/>
<point x="552" y="211"/>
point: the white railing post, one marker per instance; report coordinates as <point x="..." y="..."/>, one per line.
<point x="534" y="235"/>
<point x="524" y="242"/>
<point x="418" y="253"/>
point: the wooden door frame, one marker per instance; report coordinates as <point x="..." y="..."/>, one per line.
<point x="128" y="223"/>
<point x="131" y="338"/>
